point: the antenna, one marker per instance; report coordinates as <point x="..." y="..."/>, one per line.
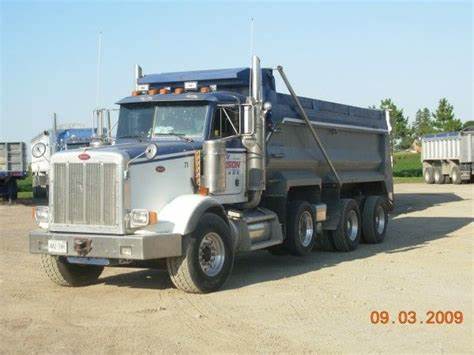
<point x="99" y="57"/>
<point x="252" y="40"/>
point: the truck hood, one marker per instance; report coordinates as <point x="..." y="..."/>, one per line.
<point x="165" y="148"/>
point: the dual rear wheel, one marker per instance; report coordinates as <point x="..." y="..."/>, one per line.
<point x="368" y="224"/>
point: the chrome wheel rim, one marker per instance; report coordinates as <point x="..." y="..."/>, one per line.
<point x="352" y="225"/>
<point x="211" y="254"/>
<point x="305" y="228"/>
<point x="380" y="220"/>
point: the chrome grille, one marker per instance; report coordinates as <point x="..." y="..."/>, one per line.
<point x="85" y="194"/>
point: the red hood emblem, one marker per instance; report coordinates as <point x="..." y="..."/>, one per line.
<point x="84" y="156"/>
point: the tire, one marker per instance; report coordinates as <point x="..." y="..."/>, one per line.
<point x="374" y="220"/>
<point x="324" y="241"/>
<point x="12" y="190"/>
<point x="428" y="175"/>
<point x="456" y="175"/>
<point x="188" y="272"/>
<point x="346" y="236"/>
<point x="300" y="228"/>
<point x="63" y="273"/>
<point x="438" y="176"/>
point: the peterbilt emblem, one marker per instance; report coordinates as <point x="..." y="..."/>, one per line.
<point x="84" y="156"/>
<point x="160" y="169"/>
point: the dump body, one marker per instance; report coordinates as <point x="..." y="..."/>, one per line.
<point x="13" y="166"/>
<point x="446" y="154"/>
<point x="356" y="140"/>
<point x="448" y="146"/>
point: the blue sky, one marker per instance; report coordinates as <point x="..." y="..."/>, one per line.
<point x="350" y="52"/>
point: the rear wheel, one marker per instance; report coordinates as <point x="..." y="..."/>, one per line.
<point x="374" y="219"/>
<point x="301" y="228"/>
<point x="456" y="175"/>
<point x="63" y="273"/>
<point x="208" y="257"/>
<point x="428" y="175"/>
<point x="346" y="236"/>
<point x="438" y="176"/>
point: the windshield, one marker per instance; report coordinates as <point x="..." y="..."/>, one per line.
<point x="143" y="120"/>
<point x="135" y="121"/>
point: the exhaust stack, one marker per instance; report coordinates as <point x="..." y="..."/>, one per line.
<point x="255" y="140"/>
<point x="138" y="75"/>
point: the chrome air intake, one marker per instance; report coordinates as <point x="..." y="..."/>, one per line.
<point x="87" y="196"/>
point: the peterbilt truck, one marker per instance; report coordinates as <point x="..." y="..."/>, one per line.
<point x="57" y="139"/>
<point x="448" y="157"/>
<point x="208" y="164"/>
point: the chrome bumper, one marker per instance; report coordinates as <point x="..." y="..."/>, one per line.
<point x="132" y="247"/>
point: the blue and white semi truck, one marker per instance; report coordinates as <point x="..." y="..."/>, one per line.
<point x="208" y="164"/>
<point x="53" y="140"/>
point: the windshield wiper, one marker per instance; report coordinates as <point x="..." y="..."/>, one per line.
<point x="179" y="135"/>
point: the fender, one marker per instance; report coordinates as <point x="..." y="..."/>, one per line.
<point x="182" y="214"/>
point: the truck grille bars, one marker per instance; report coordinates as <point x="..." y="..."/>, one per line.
<point x="85" y="194"/>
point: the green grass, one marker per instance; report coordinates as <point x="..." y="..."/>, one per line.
<point x="407" y="165"/>
<point x="25" y="195"/>
<point x="25" y="185"/>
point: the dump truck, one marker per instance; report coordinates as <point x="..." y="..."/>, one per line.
<point x="56" y="139"/>
<point x="209" y="164"/>
<point x="448" y="157"/>
<point x="13" y="167"/>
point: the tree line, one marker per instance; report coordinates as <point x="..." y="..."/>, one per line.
<point x="405" y="133"/>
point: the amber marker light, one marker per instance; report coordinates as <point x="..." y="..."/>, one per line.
<point x="152" y="217"/>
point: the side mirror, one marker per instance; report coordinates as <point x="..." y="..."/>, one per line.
<point x="151" y="151"/>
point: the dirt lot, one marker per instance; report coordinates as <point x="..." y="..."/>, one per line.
<point x="270" y="304"/>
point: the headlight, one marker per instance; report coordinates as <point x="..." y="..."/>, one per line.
<point x="41" y="214"/>
<point x="142" y="218"/>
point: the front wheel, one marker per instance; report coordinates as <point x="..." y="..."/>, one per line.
<point x="208" y="257"/>
<point x="63" y="273"/>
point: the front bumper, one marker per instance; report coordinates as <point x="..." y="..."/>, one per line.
<point x="131" y="247"/>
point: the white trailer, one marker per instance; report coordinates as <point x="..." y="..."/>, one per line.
<point x="13" y="167"/>
<point x="448" y="157"/>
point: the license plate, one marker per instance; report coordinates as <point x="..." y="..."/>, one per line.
<point x="57" y="246"/>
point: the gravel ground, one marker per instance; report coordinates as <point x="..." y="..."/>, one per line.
<point x="270" y="304"/>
